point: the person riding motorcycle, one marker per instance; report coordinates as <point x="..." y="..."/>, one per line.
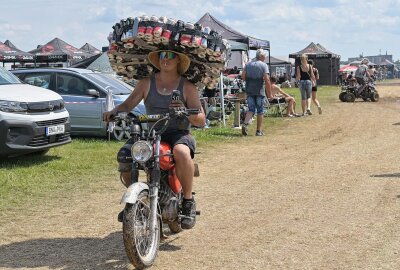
<point x="156" y="91"/>
<point x="362" y="75"/>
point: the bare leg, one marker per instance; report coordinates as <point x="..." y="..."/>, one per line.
<point x="314" y="98"/>
<point x="126" y="178"/>
<point x="184" y="168"/>
<point x="309" y="103"/>
<point x="303" y="105"/>
<point x="249" y="115"/>
<point x="260" y="119"/>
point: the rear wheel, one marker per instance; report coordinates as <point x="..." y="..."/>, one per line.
<point x="141" y="245"/>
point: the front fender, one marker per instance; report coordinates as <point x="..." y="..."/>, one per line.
<point x="131" y="194"/>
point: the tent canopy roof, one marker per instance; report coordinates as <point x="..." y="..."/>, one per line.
<point x="315" y="51"/>
<point x="230" y="34"/>
<point x="89" y="48"/>
<point x="275" y="61"/>
<point x="58" y="50"/>
<point x="12" y="54"/>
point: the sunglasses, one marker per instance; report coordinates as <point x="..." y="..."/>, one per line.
<point x="167" y="55"/>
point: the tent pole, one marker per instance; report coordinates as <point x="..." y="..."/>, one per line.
<point x="221" y="96"/>
<point x="269" y="61"/>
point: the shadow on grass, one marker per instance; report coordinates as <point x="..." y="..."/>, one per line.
<point x="70" y="253"/>
<point x="27" y="160"/>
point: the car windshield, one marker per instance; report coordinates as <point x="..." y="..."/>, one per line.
<point x="118" y="87"/>
<point x="7" y="77"/>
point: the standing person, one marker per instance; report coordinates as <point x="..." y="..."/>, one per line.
<point x="256" y="75"/>
<point x="304" y="74"/>
<point x="156" y="92"/>
<point x="372" y="72"/>
<point x="314" y="89"/>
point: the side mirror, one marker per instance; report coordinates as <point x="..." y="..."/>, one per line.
<point x="93" y="92"/>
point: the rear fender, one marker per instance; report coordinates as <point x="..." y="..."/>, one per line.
<point x="132" y="193"/>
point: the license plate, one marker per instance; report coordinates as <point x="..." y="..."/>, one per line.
<point x="52" y="130"/>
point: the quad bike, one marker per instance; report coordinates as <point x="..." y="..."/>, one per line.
<point x="367" y="92"/>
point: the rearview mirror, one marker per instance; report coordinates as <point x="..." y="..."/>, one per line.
<point x="93" y="92"/>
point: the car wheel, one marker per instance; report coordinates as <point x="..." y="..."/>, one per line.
<point x="121" y="131"/>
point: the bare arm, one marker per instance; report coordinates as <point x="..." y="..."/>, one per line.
<point x="317" y="74"/>
<point x="243" y="75"/>
<point x="282" y="92"/>
<point x="132" y="101"/>
<point x="311" y="73"/>
<point x="268" y="91"/>
<point x="193" y="102"/>
<point x="298" y="73"/>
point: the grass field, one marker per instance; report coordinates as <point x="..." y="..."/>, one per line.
<point x="87" y="162"/>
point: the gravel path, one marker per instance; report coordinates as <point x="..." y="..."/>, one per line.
<point x="322" y="192"/>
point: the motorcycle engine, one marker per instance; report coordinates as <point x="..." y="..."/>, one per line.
<point x="168" y="200"/>
<point x="170" y="210"/>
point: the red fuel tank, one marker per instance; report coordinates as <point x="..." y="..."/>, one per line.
<point x="166" y="161"/>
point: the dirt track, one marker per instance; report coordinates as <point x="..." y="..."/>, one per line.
<point x="320" y="193"/>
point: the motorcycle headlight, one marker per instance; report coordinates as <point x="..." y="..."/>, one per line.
<point x="141" y="151"/>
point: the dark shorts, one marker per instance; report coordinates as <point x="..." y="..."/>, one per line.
<point x="173" y="138"/>
<point x="209" y="93"/>
<point x="277" y="100"/>
<point x="314" y="88"/>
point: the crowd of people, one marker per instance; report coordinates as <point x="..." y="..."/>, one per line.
<point x="261" y="86"/>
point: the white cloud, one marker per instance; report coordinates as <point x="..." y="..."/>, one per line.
<point x="346" y="27"/>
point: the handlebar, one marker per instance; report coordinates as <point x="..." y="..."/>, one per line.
<point x="144" y="118"/>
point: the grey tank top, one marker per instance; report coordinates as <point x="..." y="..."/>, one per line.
<point x="156" y="103"/>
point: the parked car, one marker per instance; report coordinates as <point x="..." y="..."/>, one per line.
<point x="32" y="119"/>
<point x="84" y="92"/>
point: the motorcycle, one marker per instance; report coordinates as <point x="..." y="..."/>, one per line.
<point x="156" y="201"/>
<point x="350" y="92"/>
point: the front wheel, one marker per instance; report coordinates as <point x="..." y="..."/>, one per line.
<point x="374" y="96"/>
<point x="341" y="96"/>
<point x="141" y="245"/>
<point x="349" y="97"/>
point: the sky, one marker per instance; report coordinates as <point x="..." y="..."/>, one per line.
<point x="348" y="28"/>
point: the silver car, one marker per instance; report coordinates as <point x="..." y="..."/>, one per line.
<point x="84" y="93"/>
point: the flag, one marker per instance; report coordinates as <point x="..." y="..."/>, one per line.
<point x="109" y="106"/>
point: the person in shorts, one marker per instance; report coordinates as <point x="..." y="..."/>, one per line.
<point x="314" y="89"/>
<point x="156" y="92"/>
<point x="258" y="86"/>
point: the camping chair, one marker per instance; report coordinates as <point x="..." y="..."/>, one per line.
<point x="275" y="109"/>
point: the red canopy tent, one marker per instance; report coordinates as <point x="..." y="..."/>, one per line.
<point x="348" y="68"/>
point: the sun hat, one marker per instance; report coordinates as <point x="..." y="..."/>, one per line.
<point x="183" y="65"/>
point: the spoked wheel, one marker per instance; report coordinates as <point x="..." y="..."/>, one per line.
<point x="141" y="245"/>
<point x="341" y="96"/>
<point x="121" y="130"/>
